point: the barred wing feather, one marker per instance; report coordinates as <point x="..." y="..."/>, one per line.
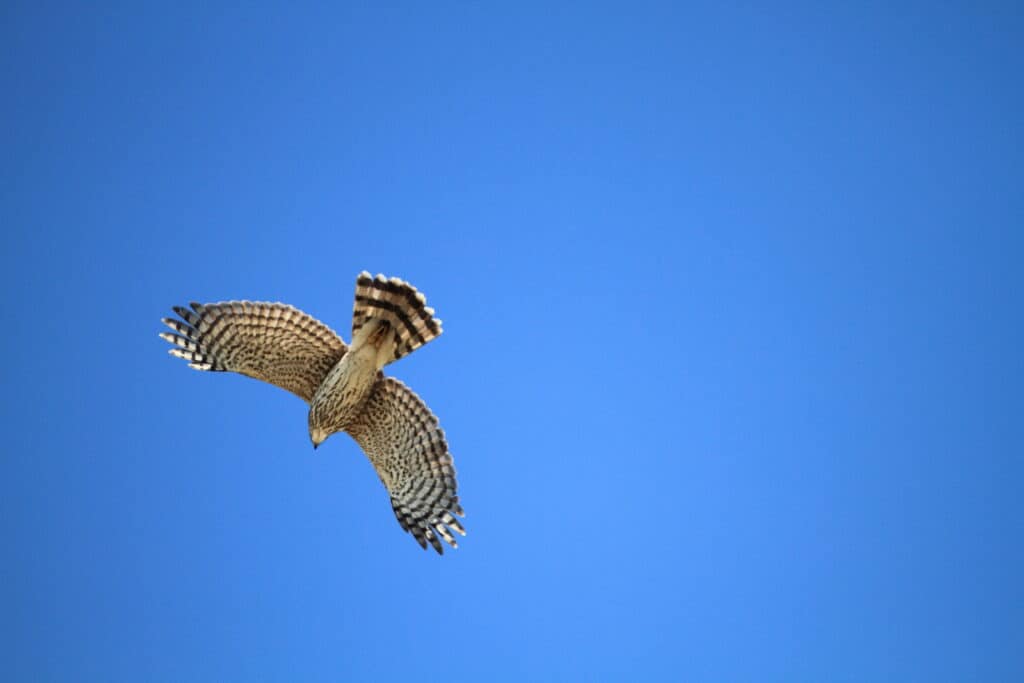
<point x="407" y="447"/>
<point x="272" y="342"/>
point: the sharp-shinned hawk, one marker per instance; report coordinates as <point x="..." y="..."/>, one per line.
<point x="344" y="386"/>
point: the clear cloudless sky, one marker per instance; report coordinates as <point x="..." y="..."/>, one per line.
<point x="732" y="357"/>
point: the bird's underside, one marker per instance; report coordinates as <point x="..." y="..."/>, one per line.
<point x="283" y="346"/>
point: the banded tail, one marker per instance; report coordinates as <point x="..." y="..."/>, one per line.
<point x="397" y="303"/>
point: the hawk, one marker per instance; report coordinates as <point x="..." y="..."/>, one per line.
<point x="344" y="385"/>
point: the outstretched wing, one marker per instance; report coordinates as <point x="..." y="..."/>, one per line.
<point x="407" y="448"/>
<point x="272" y="342"/>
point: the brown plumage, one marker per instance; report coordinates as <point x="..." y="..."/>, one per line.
<point x="344" y="386"/>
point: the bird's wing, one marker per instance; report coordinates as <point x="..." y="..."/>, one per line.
<point x="272" y="342"/>
<point x="408" y="449"/>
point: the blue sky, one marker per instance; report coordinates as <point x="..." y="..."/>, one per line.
<point x="731" y="366"/>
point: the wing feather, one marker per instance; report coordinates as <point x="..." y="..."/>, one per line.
<point x="407" y="448"/>
<point x="272" y="342"/>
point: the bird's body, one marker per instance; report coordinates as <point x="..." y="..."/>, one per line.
<point x="339" y="399"/>
<point x="344" y="386"/>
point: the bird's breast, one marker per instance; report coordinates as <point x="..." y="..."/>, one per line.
<point x="339" y="399"/>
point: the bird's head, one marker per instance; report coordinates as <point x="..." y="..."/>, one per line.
<point x="317" y="433"/>
<point x="317" y="437"/>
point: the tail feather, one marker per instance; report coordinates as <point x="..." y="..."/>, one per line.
<point x="401" y="306"/>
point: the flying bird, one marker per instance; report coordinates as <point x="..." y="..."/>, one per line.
<point x="344" y="385"/>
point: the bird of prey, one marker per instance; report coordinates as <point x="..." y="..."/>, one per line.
<point x="343" y="385"/>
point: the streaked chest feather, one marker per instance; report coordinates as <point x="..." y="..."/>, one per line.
<point x="340" y="397"/>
